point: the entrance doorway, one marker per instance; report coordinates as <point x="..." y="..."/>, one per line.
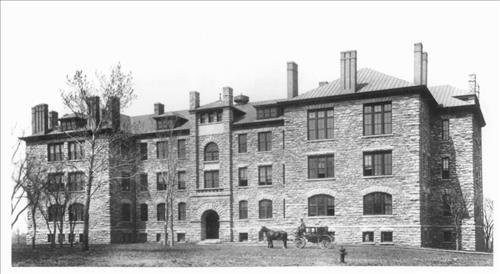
<point x="210" y="225"/>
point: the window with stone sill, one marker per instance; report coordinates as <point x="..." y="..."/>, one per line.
<point x="265" y="209"/>
<point x="181" y="211"/>
<point x="368" y="237"/>
<point x="144" y="212"/>
<point x="377" y="203"/>
<point x="211" y="179"/>
<point x="76" y="181"/>
<point x="211" y="152"/>
<point x="160" y="212"/>
<point x="242" y="176"/>
<point x="143" y="182"/>
<point x="386" y="237"/>
<point x="377" y="119"/>
<point x="445" y="168"/>
<point x="376" y="163"/>
<point x="181" y="180"/>
<point x="143" y="148"/>
<point x="75" y="150"/>
<point x="55" y="152"/>
<point x="181" y="149"/>
<point x="321" y="166"/>
<point x="265" y="175"/>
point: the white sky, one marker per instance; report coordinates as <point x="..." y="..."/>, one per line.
<point x="173" y="48"/>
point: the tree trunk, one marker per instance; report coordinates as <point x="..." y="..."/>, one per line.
<point x="88" y="193"/>
<point x="33" y="239"/>
<point x="172" y="237"/>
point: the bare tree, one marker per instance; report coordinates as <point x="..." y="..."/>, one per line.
<point x="459" y="204"/>
<point x="99" y="134"/>
<point x="169" y="176"/>
<point x="488" y="215"/>
<point x="29" y="185"/>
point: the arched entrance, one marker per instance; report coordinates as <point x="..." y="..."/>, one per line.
<point x="209" y="225"/>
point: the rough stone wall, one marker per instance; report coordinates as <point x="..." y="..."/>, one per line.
<point x="349" y="185"/>
<point x="460" y="149"/>
<point x="99" y="223"/>
<point x="426" y="113"/>
<point x="254" y="192"/>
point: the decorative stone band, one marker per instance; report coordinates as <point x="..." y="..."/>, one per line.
<point x="377" y="189"/>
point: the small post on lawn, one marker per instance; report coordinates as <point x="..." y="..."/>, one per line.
<point x="342" y="254"/>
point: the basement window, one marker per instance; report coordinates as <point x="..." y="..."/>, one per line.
<point x="386" y="237"/>
<point x="243" y="237"/>
<point x="368" y="237"/>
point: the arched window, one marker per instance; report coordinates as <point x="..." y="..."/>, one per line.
<point x="377" y="203"/>
<point x="211" y="152"/>
<point x="55" y="213"/>
<point x="321" y="205"/>
<point x="126" y="212"/>
<point x="75" y="212"/>
<point x="144" y="212"/>
<point x="446" y="205"/>
<point x="160" y="212"/>
<point x="265" y="209"/>
<point x="243" y="210"/>
<point x="181" y="211"/>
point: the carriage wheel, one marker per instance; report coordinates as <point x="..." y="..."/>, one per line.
<point x="300" y="242"/>
<point x="326" y="242"/>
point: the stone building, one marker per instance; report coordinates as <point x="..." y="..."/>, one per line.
<point x="369" y="155"/>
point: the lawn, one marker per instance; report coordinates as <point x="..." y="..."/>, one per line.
<point x="153" y="254"/>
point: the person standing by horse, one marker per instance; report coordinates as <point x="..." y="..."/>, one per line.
<point x="302" y="228"/>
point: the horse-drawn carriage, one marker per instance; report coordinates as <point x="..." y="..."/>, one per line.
<point x="318" y="235"/>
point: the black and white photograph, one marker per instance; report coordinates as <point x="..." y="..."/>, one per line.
<point x="249" y="136"/>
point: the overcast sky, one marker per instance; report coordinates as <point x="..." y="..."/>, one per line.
<point x="173" y="48"/>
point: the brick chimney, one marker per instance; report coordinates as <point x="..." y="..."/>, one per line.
<point x="93" y="111"/>
<point x="348" y="70"/>
<point x="113" y="109"/>
<point x="39" y="118"/>
<point x="420" y="65"/>
<point x="159" y="108"/>
<point x="227" y="96"/>
<point x="292" y="79"/>
<point x="53" y="120"/>
<point x="194" y="100"/>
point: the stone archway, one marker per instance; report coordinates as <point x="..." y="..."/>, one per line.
<point x="210" y="225"/>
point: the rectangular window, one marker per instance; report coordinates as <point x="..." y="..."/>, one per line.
<point x="321" y="166"/>
<point x="181" y="149"/>
<point x="243" y="210"/>
<point x="242" y="143"/>
<point x="447" y="236"/>
<point x="161" y="149"/>
<point x="60" y="238"/>
<point x="125" y="181"/>
<point x="143" y="182"/>
<point x="242" y="176"/>
<point x="50" y="237"/>
<point x="203" y="118"/>
<point x="55" y="152"/>
<point x="265" y="175"/>
<point x="320" y="124"/>
<point x="158" y="237"/>
<point x="219" y="116"/>
<point x="368" y="237"/>
<point x="161" y="181"/>
<point x="377" y="163"/>
<point x="75" y="181"/>
<point x="265" y="141"/>
<point x="377" y="119"/>
<point x="211" y="117"/>
<point x="445" y="129"/>
<point x="445" y="168"/>
<point x="143" y="148"/>
<point x="212" y="179"/>
<point x="71" y="237"/>
<point x="181" y="237"/>
<point x="243" y="237"/>
<point x="144" y="212"/>
<point x="56" y="183"/>
<point x="269" y="112"/>
<point x="75" y="151"/>
<point x="386" y="237"/>
<point x="181" y="180"/>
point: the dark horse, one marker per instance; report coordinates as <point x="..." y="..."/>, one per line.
<point x="274" y="235"/>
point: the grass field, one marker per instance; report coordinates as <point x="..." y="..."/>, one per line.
<point x="152" y="254"/>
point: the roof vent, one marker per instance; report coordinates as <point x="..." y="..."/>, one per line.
<point x="324" y="83"/>
<point x="241" y="99"/>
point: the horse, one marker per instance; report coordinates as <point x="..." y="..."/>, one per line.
<point x="274" y="235"/>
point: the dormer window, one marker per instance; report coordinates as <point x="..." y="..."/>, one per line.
<point x="72" y="123"/>
<point x="269" y="112"/>
<point x="210" y="117"/>
<point x="169" y="122"/>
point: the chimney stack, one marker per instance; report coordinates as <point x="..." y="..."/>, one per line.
<point x="39" y="118"/>
<point x="348" y="70"/>
<point x="292" y="80"/>
<point x="194" y="100"/>
<point x="159" y="108"/>
<point x="113" y="109"/>
<point x="473" y="85"/>
<point x="94" y="112"/>
<point x="420" y="65"/>
<point x="53" y="120"/>
<point x="227" y="96"/>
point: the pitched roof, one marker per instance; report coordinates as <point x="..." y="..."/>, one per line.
<point x="147" y="123"/>
<point x="216" y="104"/>
<point x="368" y="80"/>
<point x="446" y="96"/>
